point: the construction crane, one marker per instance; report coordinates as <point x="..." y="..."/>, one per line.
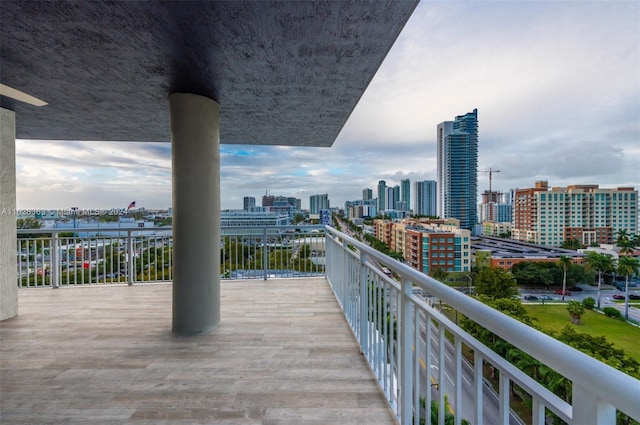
<point x="490" y="171"/>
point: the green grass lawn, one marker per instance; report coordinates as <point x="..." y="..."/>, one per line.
<point x="621" y="334"/>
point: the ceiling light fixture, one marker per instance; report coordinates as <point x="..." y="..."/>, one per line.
<point x="20" y="96"/>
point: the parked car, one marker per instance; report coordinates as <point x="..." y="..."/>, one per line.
<point x="575" y="288"/>
<point x="559" y="292"/>
<point x="531" y="298"/>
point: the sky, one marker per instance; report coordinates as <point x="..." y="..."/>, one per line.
<point x="556" y="85"/>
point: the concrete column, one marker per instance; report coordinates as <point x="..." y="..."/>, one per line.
<point x="195" y="152"/>
<point x="8" y="238"/>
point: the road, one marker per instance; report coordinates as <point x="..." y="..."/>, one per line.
<point x="606" y="298"/>
<point x="491" y="404"/>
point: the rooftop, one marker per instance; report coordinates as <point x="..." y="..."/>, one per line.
<point x="511" y="248"/>
<point x="282" y="354"/>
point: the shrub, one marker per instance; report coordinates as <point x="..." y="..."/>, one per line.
<point x="611" y="312"/>
<point x="589" y="303"/>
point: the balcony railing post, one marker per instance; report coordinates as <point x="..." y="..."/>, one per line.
<point x="588" y="410"/>
<point x="405" y="353"/>
<point x="265" y="256"/>
<point x="130" y="255"/>
<point x="54" y="251"/>
<point x="364" y="306"/>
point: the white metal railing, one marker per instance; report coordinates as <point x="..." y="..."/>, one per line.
<point x="419" y="355"/>
<point x="62" y="257"/>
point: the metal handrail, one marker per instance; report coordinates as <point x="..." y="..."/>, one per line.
<point x="137" y="247"/>
<point x="595" y="385"/>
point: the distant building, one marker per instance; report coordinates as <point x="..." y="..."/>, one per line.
<point x="496" y="229"/>
<point x="425" y="198"/>
<point x="581" y="212"/>
<point x="382" y="195"/>
<point x="248" y="202"/>
<point x="361" y="208"/>
<point x="405" y="192"/>
<point x="390" y="198"/>
<point x="318" y="203"/>
<point x="267" y="200"/>
<point x="236" y="218"/>
<point x="430" y="247"/>
<point x="505" y="253"/>
<point x="367" y="194"/>
<point x="457" y="168"/>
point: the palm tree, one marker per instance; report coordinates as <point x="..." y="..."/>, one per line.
<point x="621" y="235"/>
<point x="576" y="310"/>
<point x="564" y="261"/>
<point x="625" y="242"/>
<point x="627" y="266"/>
<point x="600" y="262"/>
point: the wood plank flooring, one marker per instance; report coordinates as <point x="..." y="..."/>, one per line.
<point x="283" y="354"/>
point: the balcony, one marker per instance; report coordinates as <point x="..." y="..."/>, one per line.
<point x="284" y="352"/>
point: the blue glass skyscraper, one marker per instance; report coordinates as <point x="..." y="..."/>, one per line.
<point x="458" y="169"/>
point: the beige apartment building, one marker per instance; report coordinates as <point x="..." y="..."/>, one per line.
<point x="585" y="213"/>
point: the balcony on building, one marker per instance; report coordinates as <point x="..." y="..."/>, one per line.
<point x="194" y="347"/>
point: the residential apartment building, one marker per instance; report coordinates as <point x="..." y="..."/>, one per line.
<point x="405" y="193"/>
<point x="427" y="244"/>
<point x="492" y="228"/>
<point x="438" y="247"/>
<point x="318" y="202"/>
<point x="361" y="208"/>
<point x="425" y="198"/>
<point x="585" y="213"/>
<point x="457" y="168"/>
<point x="382" y="195"/>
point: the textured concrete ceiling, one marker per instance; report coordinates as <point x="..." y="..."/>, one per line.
<point x="284" y="73"/>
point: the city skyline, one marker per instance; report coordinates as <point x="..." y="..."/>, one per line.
<point x="555" y="85"/>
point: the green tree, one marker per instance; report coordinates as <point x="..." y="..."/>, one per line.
<point x="496" y="283"/>
<point x="534" y="274"/>
<point x="576" y="310"/>
<point x="588" y="303"/>
<point x="439" y="274"/>
<point x="601" y="263"/>
<point x="625" y="242"/>
<point x="574" y="244"/>
<point x="564" y="263"/>
<point x="627" y="266"/>
<point x="28" y="223"/>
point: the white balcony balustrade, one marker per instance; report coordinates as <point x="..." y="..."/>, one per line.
<point x="417" y="355"/>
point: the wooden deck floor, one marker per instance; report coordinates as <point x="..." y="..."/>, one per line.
<point x="283" y="354"/>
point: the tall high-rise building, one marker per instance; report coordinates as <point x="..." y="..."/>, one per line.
<point x="367" y="194"/>
<point x="390" y="198"/>
<point x="318" y="202"/>
<point x="425" y="198"/>
<point x="405" y="192"/>
<point x="581" y="212"/>
<point x="248" y="202"/>
<point x="457" y="144"/>
<point x="382" y="195"/>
